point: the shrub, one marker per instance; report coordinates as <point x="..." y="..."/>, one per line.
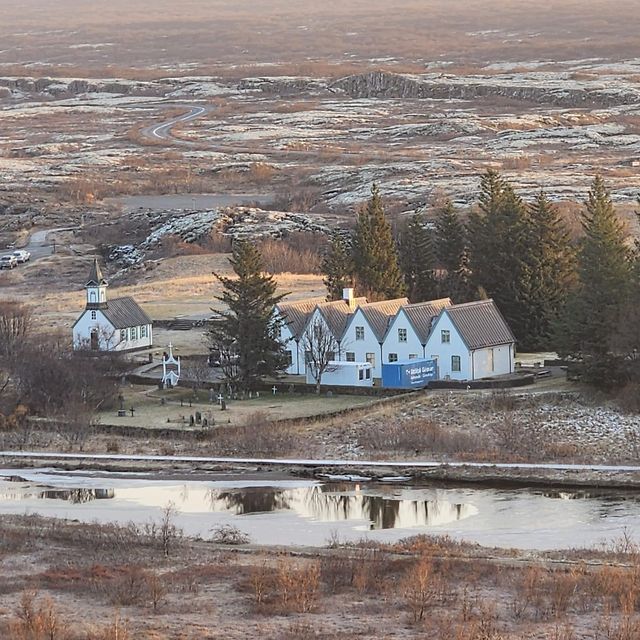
<point x="228" y="534"/>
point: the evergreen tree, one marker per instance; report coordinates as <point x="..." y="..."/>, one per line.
<point x="453" y="256"/>
<point x="246" y="334"/>
<point x="500" y="249"/>
<point x="550" y="269"/>
<point x="337" y="267"/>
<point x="417" y="259"/>
<point x="605" y="271"/>
<point x="377" y="271"/>
<point x="451" y="239"/>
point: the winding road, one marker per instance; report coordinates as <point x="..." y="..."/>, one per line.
<point x="163" y="131"/>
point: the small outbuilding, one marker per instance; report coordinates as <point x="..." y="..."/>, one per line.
<point x="345" y="374"/>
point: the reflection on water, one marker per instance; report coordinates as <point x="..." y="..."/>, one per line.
<point x="331" y="503"/>
<point x="74" y="496"/>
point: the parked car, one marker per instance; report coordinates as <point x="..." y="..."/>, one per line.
<point x="21" y="255"/>
<point x="8" y="262"/>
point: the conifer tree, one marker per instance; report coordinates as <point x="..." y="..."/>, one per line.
<point x="451" y="239"/>
<point x="604" y="277"/>
<point x="337" y="267"/>
<point x="498" y="234"/>
<point x="246" y="333"/>
<point x="378" y="274"/>
<point x="417" y="259"/>
<point x="453" y="256"/>
<point x="550" y="269"/>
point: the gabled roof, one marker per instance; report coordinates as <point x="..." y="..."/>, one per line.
<point x="296" y="314"/>
<point x="379" y="314"/>
<point x="125" y="312"/>
<point x="422" y="314"/>
<point x="338" y="313"/>
<point x="480" y="324"/>
<point x="96" y="278"/>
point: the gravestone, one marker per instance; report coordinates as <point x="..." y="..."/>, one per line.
<point x="223" y="405"/>
<point x="205" y="423"/>
<point x="192" y="420"/>
<point x="198" y="417"/>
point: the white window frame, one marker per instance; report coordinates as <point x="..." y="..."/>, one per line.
<point x="350" y="356"/>
<point x="360" y="332"/>
<point x="458" y="361"/>
<point x="370" y="358"/>
<point x="445" y="336"/>
<point x="123" y="335"/>
<point x="393" y="357"/>
<point x="413" y="356"/>
<point x="402" y="334"/>
<point x="94" y="315"/>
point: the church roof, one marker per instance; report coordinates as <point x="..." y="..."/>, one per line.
<point x="125" y="312"/>
<point x="95" y="275"/>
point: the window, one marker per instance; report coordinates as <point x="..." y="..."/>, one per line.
<point x="491" y="360"/>
<point x="402" y="335"/>
<point x="359" y="333"/>
<point x="289" y="358"/>
<point x="368" y="374"/>
<point x="307" y="357"/>
<point x="445" y="336"/>
<point x="455" y="363"/>
<point x="371" y="359"/>
<point x="94" y="315"/>
<point x="351" y="356"/>
<point x="360" y="374"/>
<point x="393" y="357"/>
<point x="123" y="335"/>
<point x="331" y="356"/>
<point x="143" y="331"/>
<point x="413" y="356"/>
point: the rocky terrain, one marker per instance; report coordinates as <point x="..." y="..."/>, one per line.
<point x="418" y="135"/>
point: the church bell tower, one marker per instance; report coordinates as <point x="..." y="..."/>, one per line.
<point x="96" y="287"/>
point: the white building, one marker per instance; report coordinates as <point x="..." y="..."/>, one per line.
<point x="110" y="325"/>
<point x="471" y="341"/>
<point x="364" y="334"/>
<point x="468" y="341"/>
<point x="409" y="330"/>
<point x="351" y="374"/>
<point x="298" y="316"/>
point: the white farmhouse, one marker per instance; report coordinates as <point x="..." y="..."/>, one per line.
<point x="471" y="341"/>
<point x="364" y="334"/>
<point x="110" y="325"/>
<point x="409" y="331"/>
<point x="299" y="316"/>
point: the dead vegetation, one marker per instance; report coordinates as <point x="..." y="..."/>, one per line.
<point x="420" y="587"/>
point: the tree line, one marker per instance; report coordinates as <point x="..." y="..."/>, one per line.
<point x="578" y="298"/>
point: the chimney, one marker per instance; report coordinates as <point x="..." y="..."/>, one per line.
<point x="347" y="296"/>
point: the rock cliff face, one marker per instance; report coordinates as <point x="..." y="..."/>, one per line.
<point x="542" y="90"/>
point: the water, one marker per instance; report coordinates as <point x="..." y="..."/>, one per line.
<point x="300" y="512"/>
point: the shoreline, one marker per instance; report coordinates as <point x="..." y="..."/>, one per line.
<point x="506" y="475"/>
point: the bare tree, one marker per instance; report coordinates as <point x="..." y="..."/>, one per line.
<point x="320" y="347"/>
<point x="15" y="326"/>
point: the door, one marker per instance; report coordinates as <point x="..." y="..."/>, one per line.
<point x="95" y="345"/>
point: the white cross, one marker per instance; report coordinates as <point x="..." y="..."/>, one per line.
<point x="274" y="389"/>
<point x="220" y="398"/>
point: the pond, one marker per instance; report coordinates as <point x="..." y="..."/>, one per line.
<point x="304" y="512"/>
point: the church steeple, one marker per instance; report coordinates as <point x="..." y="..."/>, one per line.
<point x="96" y="287"/>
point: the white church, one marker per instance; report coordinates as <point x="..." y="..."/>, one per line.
<point x="110" y="325"/>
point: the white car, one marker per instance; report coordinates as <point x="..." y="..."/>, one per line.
<point x="21" y="255"/>
<point x="8" y="262"/>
